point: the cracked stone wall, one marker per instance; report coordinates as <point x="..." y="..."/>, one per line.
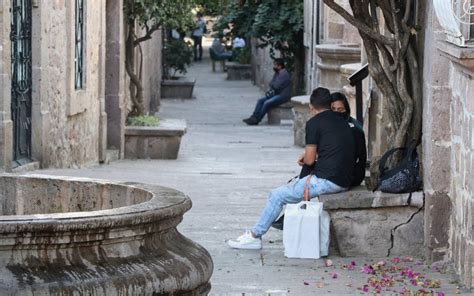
<point x="448" y="144"/>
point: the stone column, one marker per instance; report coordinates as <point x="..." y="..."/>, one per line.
<point x="102" y="60"/>
<point x="332" y="57"/>
<point x="300" y="109"/>
<point x="115" y="74"/>
<point x="6" y="124"/>
<point x="436" y="141"/>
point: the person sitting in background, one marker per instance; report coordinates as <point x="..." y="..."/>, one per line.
<point x="238" y="43"/>
<point x="278" y="94"/>
<point x="341" y="105"/>
<point x="219" y="49"/>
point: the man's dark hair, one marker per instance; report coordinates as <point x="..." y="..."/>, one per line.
<point x="337" y="96"/>
<point x="321" y="98"/>
<point x="279" y="62"/>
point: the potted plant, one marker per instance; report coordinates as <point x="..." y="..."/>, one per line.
<point x="177" y="56"/>
<point x="151" y="137"/>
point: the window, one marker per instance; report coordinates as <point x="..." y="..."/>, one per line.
<point x="457" y="19"/>
<point x="79" y="45"/>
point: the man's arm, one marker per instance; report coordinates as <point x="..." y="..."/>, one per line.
<point x="280" y="82"/>
<point x="309" y="156"/>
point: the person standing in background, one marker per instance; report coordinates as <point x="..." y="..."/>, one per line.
<point x="198" y="32"/>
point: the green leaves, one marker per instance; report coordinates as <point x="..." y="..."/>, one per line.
<point x="277" y="24"/>
<point x="143" y="120"/>
<point x="177" y="55"/>
<point x="175" y="14"/>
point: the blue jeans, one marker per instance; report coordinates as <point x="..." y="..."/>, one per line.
<point x="291" y="193"/>
<point x="264" y="104"/>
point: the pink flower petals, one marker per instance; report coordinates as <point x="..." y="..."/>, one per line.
<point x="367" y="269"/>
<point x="396" y="260"/>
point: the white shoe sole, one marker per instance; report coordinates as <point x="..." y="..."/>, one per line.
<point x="236" y="245"/>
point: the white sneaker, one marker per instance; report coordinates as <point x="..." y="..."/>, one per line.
<point x="246" y="241"/>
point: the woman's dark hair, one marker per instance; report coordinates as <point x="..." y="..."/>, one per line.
<point x="280" y="62"/>
<point x="321" y="98"/>
<point x="337" y="96"/>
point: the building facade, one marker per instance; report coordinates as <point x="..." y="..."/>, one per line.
<point x="448" y="143"/>
<point x="64" y="85"/>
<point x="448" y="119"/>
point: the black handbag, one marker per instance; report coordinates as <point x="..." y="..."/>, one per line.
<point x="405" y="176"/>
<point x="270" y="93"/>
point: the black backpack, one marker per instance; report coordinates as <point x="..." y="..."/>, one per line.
<point x="405" y="176"/>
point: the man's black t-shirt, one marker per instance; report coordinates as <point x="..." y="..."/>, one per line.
<point x="335" y="147"/>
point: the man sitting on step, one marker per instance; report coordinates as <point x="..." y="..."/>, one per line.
<point x="330" y="148"/>
<point x="278" y="94"/>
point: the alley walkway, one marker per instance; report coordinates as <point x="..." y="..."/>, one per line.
<point x="227" y="169"/>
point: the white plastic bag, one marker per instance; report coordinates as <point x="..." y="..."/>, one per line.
<point x="324" y="222"/>
<point x="301" y="230"/>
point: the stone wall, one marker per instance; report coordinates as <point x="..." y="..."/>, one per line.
<point x="5" y="84"/>
<point x="448" y="144"/>
<point x="262" y="65"/>
<point x="152" y="71"/>
<point x="67" y="122"/>
<point x="436" y="142"/>
<point x="336" y="28"/>
<point x="462" y="170"/>
<point x="115" y="76"/>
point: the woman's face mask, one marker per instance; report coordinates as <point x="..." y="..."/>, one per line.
<point x="338" y="107"/>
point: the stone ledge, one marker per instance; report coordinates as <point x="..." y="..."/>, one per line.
<point x="238" y="66"/>
<point x="182" y="81"/>
<point x="237" y="71"/>
<point x="300" y="100"/>
<point x="461" y="56"/>
<point x="167" y="127"/>
<point x="181" y="88"/>
<point x="361" y="198"/>
<point x="161" y="142"/>
<point x="375" y="224"/>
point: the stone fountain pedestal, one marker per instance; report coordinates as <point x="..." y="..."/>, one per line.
<point x="70" y="236"/>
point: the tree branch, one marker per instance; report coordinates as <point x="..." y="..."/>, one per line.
<point x="358" y="24"/>
<point x="147" y="36"/>
<point x="407" y="11"/>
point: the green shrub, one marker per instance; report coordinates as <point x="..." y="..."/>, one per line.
<point x="144" y="120"/>
<point x="177" y="56"/>
<point x="244" y="55"/>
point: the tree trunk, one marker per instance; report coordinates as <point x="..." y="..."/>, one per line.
<point x="136" y="87"/>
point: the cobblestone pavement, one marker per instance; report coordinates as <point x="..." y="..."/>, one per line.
<point x="228" y="168"/>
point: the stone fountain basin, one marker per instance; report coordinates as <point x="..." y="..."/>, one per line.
<point x="75" y="236"/>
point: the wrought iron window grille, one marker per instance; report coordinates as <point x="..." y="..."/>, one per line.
<point x="457" y="19"/>
<point x="21" y="79"/>
<point x="79" y="45"/>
